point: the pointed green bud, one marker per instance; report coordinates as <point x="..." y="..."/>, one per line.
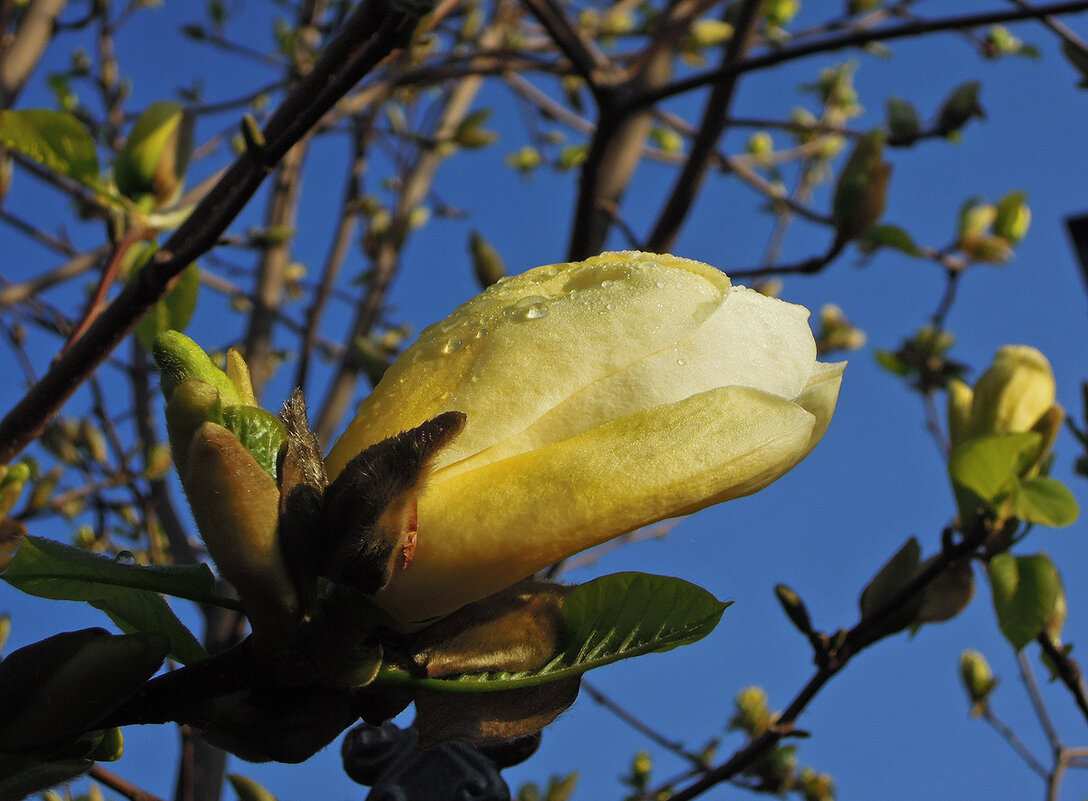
<point x="486" y="261"/>
<point x="794" y="608"/>
<point x="959" y="108"/>
<point x="903" y="122"/>
<point x="235" y="503"/>
<point x="1014" y="392"/>
<point x="861" y="190"/>
<point x="153" y="162"/>
<point x="977" y="679"/>
<point x="1013" y="217"/>
<point x="180" y="359"/>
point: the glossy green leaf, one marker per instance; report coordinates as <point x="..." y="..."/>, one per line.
<point x="1025" y="593"/>
<point x="1045" y="501"/>
<point x="128" y="593"/>
<point x="888" y="582"/>
<point x="988" y="465"/>
<point x="261" y="432"/>
<point x="56" y="140"/>
<point x="611" y="618"/>
<point x="173" y="311"/>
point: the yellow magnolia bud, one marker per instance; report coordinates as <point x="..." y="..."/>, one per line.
<point x="600" y="396"/>
<point x="1016" y="390"/>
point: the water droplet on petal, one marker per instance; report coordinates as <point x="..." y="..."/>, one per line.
<point x="483" y="332"/>
<point x="681" y="362"/>
<point x="536" y="311"/>
<point x="452" y="345"/>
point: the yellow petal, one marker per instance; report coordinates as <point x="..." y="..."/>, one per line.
<point x="517" y="350"/>
<point x="483" y="530"/>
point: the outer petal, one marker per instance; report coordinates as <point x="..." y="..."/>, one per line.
<point x="528" y="343"/>
<point x="749" y="340"/>
<point x="483" y="530"/>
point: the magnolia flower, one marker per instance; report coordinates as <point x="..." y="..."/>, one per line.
<point x="600" y="396"/>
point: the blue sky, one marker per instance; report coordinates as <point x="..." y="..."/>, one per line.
<point x="894" y="725"/>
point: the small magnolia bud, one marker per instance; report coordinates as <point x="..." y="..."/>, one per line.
<point x="486" y="261"/>
<point x="977" y="678"/>
<point x="861" y="190"/>
<point x="753" y="715"/>
<point x="794" y="608"/>
<point x="235" y="503"/>
<point x="1013" y="217"/>
<point x="959" y="108"/>
<point x="960" y="398"/>
<point x="1014" y="392"/>
<point x="156" y="154"/>
<point x="180" y="359"/>
<point x="903" y="123"/>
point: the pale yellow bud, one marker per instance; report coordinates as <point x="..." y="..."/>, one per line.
<point x="1016" y="390"/>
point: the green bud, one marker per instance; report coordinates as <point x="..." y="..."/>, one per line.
<point x="780" y="13"/>
<point x="1014" y="392"/>
<point x="471" y="134"/>
<point x="1013" y="217"/>
<point x="668" y="139"/>
<point x="156" y="154"/>
<point x="235" y="503"/>
<point x="753" y="715"/>
<point x="486" y="261"/>
<point x="760" y="144"/>
<point x="794" y="607"/>
<point x="959" y="108"/>
<point x="960" y="399"/>
<point x="525" y="160"/>
<point x="977" y="679"/>
<point x="641" y="767"/>
<point x="861" y="190"/>
<point x="903" y="123"/>
<point x="180" y="359"/>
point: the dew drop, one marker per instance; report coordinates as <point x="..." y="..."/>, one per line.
<point x="125" y="558"/>
<point x="681" y="362"/>
<point x="483" y="332"/>
<point x="536" y="311"/>
<point x="452" y="345"/>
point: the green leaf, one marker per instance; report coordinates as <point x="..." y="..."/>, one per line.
<point x="1025" y="592"/>
<point x="127" y="593"/>
<point x="1078" y="57"/>
<point x="173" y="311"/>
<point x="988" y="465"/>
<point x="261" y="432"/>
<point x="56" y="140"/>
<point x="892" y="578"/>
<point x="611" y="618"/>
<point x="892" y="236"/>
<point x="1045" y="501"/>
